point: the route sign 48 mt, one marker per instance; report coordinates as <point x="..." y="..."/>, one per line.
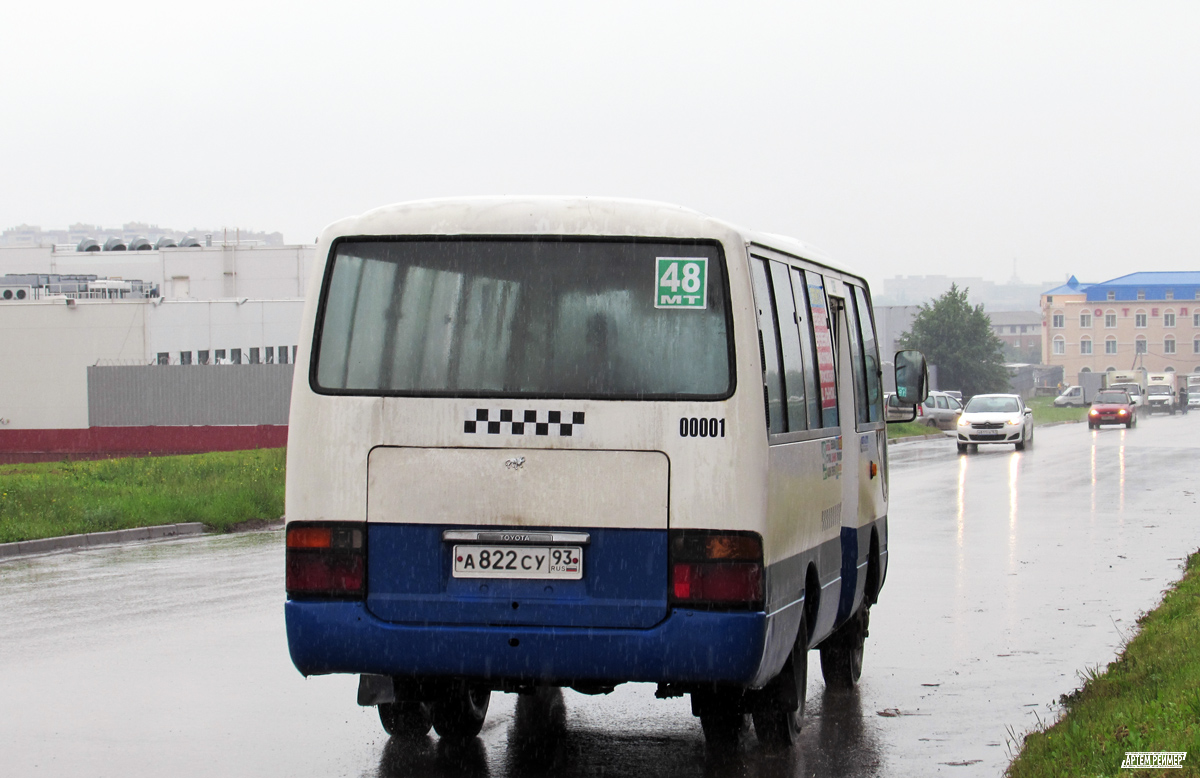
<point x="681" y="282"/>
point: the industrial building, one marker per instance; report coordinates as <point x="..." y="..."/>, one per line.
<point x="79" y="331"/>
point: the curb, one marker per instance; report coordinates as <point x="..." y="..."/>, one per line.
<point x="93" y="539"/>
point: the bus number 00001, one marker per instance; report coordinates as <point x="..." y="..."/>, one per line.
<point x="701" y="428"/>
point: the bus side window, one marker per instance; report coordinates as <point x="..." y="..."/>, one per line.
<point x="768" y="343"/>
<point x="870" y="354"/>
<point x="856" y="360"/>
<point x="818" y="314"/>
<point x="789" y="339"/>
<point x="808" y="349"/>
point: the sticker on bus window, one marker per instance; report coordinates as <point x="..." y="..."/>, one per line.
<point x="681" y="282"/>
<point x="820" y="322"/>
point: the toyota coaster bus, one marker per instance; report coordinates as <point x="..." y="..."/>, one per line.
<point x="547" y="442"/>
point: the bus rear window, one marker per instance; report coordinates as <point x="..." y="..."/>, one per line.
<point x="542" y="317"/>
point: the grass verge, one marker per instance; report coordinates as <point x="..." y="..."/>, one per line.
<point x="911" y="429"/>
<point x="220" y="489"/>
<point x="1147" y="700"/>
<point x="1044" y="411"/>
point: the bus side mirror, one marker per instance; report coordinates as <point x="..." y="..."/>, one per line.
<point x="912" y="377"/>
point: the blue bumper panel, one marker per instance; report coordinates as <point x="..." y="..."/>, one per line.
<point x="624" y="583"/>
<point x="688" y="646"/>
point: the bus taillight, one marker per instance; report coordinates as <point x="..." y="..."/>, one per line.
<point x="716" y="569"/>
<point x="325" y="559"/>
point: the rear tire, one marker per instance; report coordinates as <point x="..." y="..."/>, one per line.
<point x="842" y="652"/>
<point x="723" y="729"/>
<point x="405" y="719"/>
<point x="780" y="728"/>
<point x="460" y="714"/>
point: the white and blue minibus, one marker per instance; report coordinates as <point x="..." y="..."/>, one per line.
<point x="578" y="442"/>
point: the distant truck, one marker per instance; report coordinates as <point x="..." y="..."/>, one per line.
<point x="1133" y="382"/>
<point x="1161" y="393"/>
<point x="1137" y="376"/>
<point x="1073" y="396"/>
<point x="1082" y="393"/>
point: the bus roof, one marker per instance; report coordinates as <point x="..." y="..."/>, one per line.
<point x="549" y="215"/>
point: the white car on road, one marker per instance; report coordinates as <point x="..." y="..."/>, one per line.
<point x="995" y="418"/>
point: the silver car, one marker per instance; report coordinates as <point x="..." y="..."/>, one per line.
<point x="995" y="418"/>
<point x="939" y="410"/>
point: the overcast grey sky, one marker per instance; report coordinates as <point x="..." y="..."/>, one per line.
<point x="903" y="138"/>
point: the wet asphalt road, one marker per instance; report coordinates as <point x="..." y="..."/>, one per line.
<point x="1010" y="574"/>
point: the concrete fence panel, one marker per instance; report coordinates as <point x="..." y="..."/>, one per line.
<point x="188" y="395"/>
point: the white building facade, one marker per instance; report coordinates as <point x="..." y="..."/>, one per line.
<point x="220" y="305"/>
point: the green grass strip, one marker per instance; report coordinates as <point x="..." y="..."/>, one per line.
<point x="911" y="429"/>
<point x="220" y="489"/>
<point x="1147" y="700"/>
<point x="1044" y="411"/>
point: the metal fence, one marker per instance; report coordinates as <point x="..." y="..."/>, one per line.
<point x="188" y="395"/>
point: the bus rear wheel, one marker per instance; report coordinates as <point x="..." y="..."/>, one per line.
<point x="405" y="719"/>
<point x="459" y="714"/>
<point x="780" y="728"/>
<point x="842" y="652"/>
<point x="723" y="729"/>
<point x="722" y="716"/>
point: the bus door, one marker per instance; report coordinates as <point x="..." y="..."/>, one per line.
<point x="858" y="450"/>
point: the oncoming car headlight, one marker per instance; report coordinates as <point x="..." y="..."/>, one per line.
<point x="1015" y="421"/>
<point x="963" y="422"/>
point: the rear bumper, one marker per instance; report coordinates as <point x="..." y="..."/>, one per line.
<point x="686" y="647"/>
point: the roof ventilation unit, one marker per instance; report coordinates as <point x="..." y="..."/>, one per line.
<point x="114" y="244"/>
<point x="165" y="243"/>
<point x="88" y="244"/>
<point x="15" y="294"/>
<point x="189" y="243"/>
<point x="140" y="244"/>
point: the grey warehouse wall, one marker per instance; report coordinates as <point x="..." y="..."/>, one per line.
<point x="188" y="395"/>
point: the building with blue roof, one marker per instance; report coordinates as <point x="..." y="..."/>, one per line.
<point x="1148" y="319"/>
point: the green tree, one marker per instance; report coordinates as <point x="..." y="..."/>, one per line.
<point x="958" y="338"/>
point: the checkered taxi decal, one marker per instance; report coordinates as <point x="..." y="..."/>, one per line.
<point x="496" y="421"/>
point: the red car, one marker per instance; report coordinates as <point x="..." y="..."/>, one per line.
<point x="1112" y="407"/>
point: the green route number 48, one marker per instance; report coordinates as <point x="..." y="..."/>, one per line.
<point x="681" y="282"/>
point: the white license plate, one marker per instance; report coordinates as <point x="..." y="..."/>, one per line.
<point x="988" y="433"/>
<point x="501" y="561"/>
